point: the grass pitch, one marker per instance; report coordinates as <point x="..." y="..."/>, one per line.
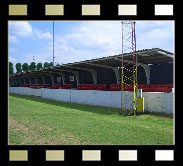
<point x="37" y="121"/>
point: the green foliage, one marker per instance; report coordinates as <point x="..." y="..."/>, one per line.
<point x="46" y="64"/>
<point x="51" y="64"/>
<point x="18" y="67"/>
<point x="32" y="66"/>
<point x="39" y="65"/>
<point x="25" y="67"/>
<point x="10" y="68"/>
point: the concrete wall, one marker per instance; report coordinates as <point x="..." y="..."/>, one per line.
<point x="158" y="102"/>
<point x="92" y="97"/>
<point x="153" y="101"/>
<point x="25" y="91"/>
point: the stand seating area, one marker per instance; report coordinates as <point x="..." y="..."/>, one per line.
<point x="144" y="87"/>
<point x="115" y="87"/>
<point x="112" y="87"/>
<point x="60" y="86"/>
<point x="92" y="86"/>
<point x="35" y="85"/>
<point x="156" y="87"/>
<point x="67" y="86"/>
<point x="56" y="86"/>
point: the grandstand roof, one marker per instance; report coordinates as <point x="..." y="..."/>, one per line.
<point x="146" y="56"/>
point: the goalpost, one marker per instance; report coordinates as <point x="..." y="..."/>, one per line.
<point x="129" y="69"/>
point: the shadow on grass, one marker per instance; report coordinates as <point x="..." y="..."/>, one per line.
<point x="85" y="107"/>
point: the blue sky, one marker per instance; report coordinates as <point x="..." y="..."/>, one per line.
<point x="81" y="40"/>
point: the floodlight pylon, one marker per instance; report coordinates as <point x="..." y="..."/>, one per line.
<point x="129" y="69"/>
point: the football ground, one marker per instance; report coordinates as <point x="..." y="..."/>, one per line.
<point x="37" y="121"/>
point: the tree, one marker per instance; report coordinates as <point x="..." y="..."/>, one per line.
<point x="10" y="68"/>
<point x="46" y="64"/>
<point x="32" y="66"/>
<point x="51" y="64"/>
<point x="39" y="65"/>
<point x="57" y="64"/>
<point x="18" y="67"/>
<point x="25" y="67"/>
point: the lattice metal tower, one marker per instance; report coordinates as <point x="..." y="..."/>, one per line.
<point x="129" y="69"/>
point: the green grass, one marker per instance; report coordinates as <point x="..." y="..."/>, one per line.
<point x="37" y="121"/>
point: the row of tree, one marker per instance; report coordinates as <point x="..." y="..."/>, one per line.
<point x="25" y="67"/>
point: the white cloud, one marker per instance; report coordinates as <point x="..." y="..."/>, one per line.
<point x="20" y="28"/>
<point x="100" y="39"/>
<point x="87" y="41"/>
<point x="13" y="60"/>
<point x="24" y="29"/>
<point x="158" y="34"/>
<point x="41" y="35"/>
<point x="94" y="39"/>
<point x="13" y="39"/>
<point x="39" y="57"/>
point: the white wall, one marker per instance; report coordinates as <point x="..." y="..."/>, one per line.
<point x="158" y="102"/>
<point x="153" y="101"/>
<point x="56" y="94"/>
<point x="92" y="97"/>
<point x="25" y="91"/>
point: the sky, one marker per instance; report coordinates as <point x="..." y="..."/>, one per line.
<point x="81" y="40"/>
